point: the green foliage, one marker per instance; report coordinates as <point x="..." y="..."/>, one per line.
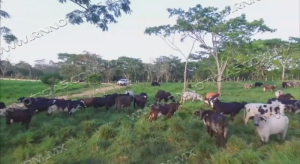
<point x="51" y="79"/>
<point x="94" y="79"/>
<point x="98" y="14"/>
<point x="93" y="136"/>
<point x="4" y="31"/>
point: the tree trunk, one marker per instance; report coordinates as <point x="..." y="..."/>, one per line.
<point x="219" y="84"/>
<point x="283" y="70"/>
<point x="184" y="75"/>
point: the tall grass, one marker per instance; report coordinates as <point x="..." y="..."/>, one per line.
<point x="12" y="90"/>
<point x="95" y="136"/>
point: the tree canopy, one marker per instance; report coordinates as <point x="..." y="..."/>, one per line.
<point x="5" y="32"/>
<point x="98" y="14"/>
<point x="227" y="38"/>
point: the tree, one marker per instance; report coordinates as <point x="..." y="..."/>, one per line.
<point x="4" y="31"/>
<point x="284" y="52"/>
<point x="24" y="65"/>
<point x="99" y="15"/>
<point x="51" y="80"/>
<point x="166" y="32"/>
<point x="94" y="79"/>
<point x="5" y="66"/>
<point x="226" y="36"/>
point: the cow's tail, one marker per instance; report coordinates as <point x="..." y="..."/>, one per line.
<point x="133" y="102"/>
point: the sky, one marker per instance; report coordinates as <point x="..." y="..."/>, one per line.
<point x="126" y="38"/>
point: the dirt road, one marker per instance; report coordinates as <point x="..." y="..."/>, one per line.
<point x="97" y="90"/>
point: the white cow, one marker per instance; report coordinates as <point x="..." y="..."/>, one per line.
<point x="253" y="108"/>
<point x="191" y="96"/>
<point x="130" y="92"/>
<point x="267" y="126"/>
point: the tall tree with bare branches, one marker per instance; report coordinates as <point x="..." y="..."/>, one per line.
<point x="226" y="36"/>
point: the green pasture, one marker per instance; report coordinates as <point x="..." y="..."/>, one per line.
<point x="11" y="90"/>
<point x="95" y="136"/>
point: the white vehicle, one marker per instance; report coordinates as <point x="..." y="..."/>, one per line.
<point x="123" y="82"/>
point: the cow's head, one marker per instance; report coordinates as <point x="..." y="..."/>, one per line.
<point x="27" y="101"/>
<point x="258" y="118"/>
<point x="211" y="101"/>
<point x="21" y="99"/>
<point x="204" y="115"/>
<point x="82" y="104"/>
<point x="200" y="97"/>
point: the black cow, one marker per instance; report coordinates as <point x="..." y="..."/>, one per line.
<point x="107" y="101"/>
<point x="2" y="105"/>
<point x="144" y="94"/>
<point x="123" y="101"/>
<point x="232" y="108"/>
<point x="285" y="84"/>
<point x="140" y="101"/>
<point x="215" y="123"/>
<point x="163" y="95"/>
<point x="258" y="84"/>
<point x="40" y="104"/>
<point x="154" y="83"/>
<point x="19" y="115"/>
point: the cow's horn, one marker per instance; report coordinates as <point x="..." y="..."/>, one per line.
<point x="28" y="100"/>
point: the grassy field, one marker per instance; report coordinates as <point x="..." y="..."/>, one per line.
<point x="95" y="137"/>
<point x="12" y="90"/>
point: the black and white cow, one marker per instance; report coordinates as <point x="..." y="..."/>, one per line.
<point x="70" y="106"/>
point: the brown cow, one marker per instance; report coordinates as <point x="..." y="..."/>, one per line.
<point x="189" y="85"/>
<point x="122" y="102"/>
<point x="269" y="88"/>
<point x="158" y="110"/>
<point x="88" y="102"/>
<point x="287" y="96"/>
<point x="210" y="95"/>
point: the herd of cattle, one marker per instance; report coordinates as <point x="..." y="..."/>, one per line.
<point x="272" y="87"/>
<point x="269" y="118"/>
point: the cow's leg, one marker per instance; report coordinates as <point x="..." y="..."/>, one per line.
<point x="27" y="123"/>
<point x="279" y="136"/>
<point x="246" y="120"/>
<point x="208" y="130"/>
<point x="284" y="134"/>
<point x="9" y="121"/>
<point x="266" y="139"/>
<point x="232" y="117"/>
<point x="106" y="107"/>
<point x="211" y="132"/>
